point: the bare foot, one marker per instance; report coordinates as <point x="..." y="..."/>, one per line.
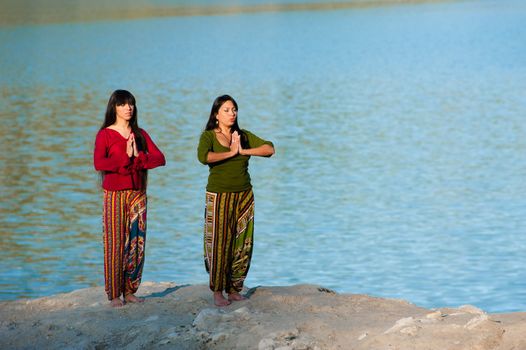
<point x="130" y="298"/>
<point x="220" y="300"/>
<point x="236" y="297"/>
<point x="116" y="302"/>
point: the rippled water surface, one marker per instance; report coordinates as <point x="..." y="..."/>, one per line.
<point x="400" y="135"/>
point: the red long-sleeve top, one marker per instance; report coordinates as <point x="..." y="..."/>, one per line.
<point x="120" y="171"/>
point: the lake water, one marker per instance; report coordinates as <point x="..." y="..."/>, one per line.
<point x="400" y="135"/>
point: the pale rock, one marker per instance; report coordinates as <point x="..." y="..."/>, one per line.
<point x="470" y="309"/>
<point x="152" y="318"/>
<point x="242" y="310"/>
<point x="171" y="333"/>
<point x="207" y="319"/>
<point x="284" y="348"/>
<point x="428" y="320"/>
<point x="435" y="315"/>
<point x="204" y="336"/>
<point x="289" y="334"/>
<point x="219" y="336"/>
<point x="179" y="319"/>
<point x="164" y="342"/>
<point x="476" y="321"/>
<point x="242" y="313"/>
<point x="409" y="330"/>
<point x="266" y="344"/>
<point x="401" y="323"/>
<point x="362" y="337"/>
<point x="284" y="340"/>
<point x="453" y="327"/>
<point x="301" y="344"/>
<point x="134" y="332"/>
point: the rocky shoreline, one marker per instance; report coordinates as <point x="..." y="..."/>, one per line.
<point x="292" y="317"/>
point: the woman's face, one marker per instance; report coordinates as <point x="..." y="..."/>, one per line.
<point x="124" y="111"/>
<point x="227" y="114"/>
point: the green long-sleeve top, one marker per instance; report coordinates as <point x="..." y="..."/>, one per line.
<point x="229" y="175"/>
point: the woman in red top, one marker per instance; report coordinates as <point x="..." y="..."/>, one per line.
<point x="123" y="154"/>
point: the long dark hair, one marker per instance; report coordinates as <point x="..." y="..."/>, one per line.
<point x="119" y="98"/>
<point x="212" y="121"/>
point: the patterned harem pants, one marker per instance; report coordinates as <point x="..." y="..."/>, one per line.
<point x="124" y="234"/>
<point x="228" y="241"/>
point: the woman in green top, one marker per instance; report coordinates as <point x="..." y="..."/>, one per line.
<point x="229" y="214"/>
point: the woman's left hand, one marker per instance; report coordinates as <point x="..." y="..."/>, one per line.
<point x="135" y="152"/>
<point x="238" y="141"/>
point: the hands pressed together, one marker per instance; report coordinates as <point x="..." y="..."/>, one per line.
<point x="235" y="144"/>
<point x="131" y="146"/>
<point x="236" y="148"/>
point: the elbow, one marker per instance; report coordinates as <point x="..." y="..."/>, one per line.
<point x="271" y="151"/>
<point x="203" y="158"/>
<point x="151" y="160"/>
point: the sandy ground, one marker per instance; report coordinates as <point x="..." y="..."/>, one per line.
<point x="294" y="317"/>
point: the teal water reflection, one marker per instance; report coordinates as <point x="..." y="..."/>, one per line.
<point x="400" y="136"/>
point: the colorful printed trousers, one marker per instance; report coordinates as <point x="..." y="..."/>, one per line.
<point x="124" y="226"/>
<point x="228" y="241"/>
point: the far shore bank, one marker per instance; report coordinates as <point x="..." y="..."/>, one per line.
<point x="26" y="12"/>
<point x="292" y="317"/>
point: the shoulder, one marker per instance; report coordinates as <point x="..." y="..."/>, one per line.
<point x="102" y="133"/>
<point x="208" y="134"/>
<point x="105" y="138"/>
<point x="249" y="133"/>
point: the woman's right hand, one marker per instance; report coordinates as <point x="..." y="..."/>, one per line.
<point x="234" y="145"/>
<point x="130" y="145"/>
<point x="213" y="157"/>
